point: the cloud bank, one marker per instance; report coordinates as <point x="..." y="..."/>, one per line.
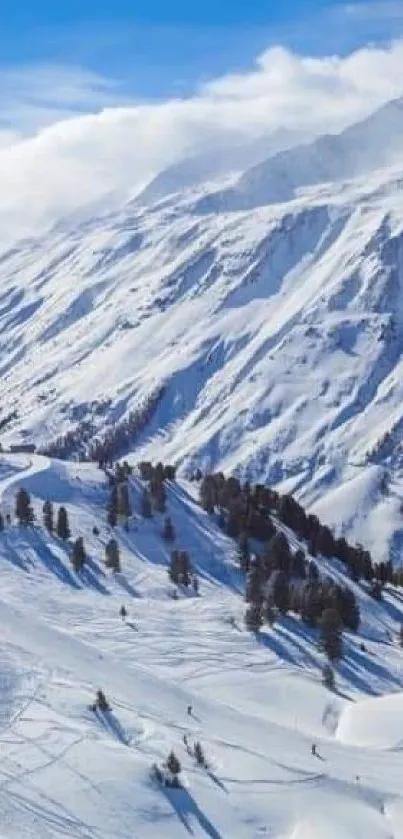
<point x="111" y="151"/>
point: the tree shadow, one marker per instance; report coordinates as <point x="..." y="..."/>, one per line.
<point x="394" y="609"/>
<point x="124" y="584"/>
<point x="115" y="728"/>
<point x="185" y="807"/>
<point x="290" y="641"/>
<point x="90" y="578"/>
<point x="361" y="669"/>
<point x="53" y="562"/>
<point x="14" y="557"/>
<point x="90" y="563"/>
<point x="213" y="777"/>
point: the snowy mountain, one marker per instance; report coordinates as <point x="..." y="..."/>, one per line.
<point x="266" y="342"/>
<point x="369" y="145"/>
<point x="194" y="170"/>
<point x="257" y="703"/>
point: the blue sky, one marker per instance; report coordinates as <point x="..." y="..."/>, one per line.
<point x="201" y="78"/>
<point x="64" y="57"/>
<point x="157" y="48"/>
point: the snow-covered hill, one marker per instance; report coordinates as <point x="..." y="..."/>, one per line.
<point x="257" y="704"/>
<point x="268" y="340"/>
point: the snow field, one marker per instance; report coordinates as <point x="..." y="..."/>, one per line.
<point x="257" y="704"/>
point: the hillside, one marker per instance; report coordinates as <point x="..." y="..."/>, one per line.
<point x="257" y="703"/>
<point x="268" y="341"/>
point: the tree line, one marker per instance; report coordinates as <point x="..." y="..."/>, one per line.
<point x="86" y="443"/>
<point x="246" y="510"/>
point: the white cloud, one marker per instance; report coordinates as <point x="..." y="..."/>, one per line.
<point x="32" y="97"/>
<point x="84" y="158"/>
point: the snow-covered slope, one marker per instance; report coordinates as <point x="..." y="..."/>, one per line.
<point x="272" y="338"/>
<point x="257" y="705"/>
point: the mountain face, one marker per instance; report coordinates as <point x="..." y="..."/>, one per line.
<point x="265" y="341"/>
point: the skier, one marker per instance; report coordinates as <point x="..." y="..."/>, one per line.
<point x="123" y="612"/>
<point x="189" y="710"/>
<point x="314" y="749"/>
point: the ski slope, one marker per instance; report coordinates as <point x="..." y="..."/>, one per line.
<point x="257" y="704"/>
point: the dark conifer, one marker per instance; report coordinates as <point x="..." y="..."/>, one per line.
<point x="48" y="518"/>
<point x="78" y="556"/>
<point x="331" y="634"/>
<point x="168" y="532"/>
<point x="199" y="754"/>
<point x="62" y="526"/>
<point x="146" y="509"/>
<point x="173" y="764"/>
<point x="112" y="556"/>
<point x="244" y="553"/>
<point x="184" y="568"/>
<point x="112" y="509"/>
<point x="278" y="592"/>
<point x="174" y="568"/>
<point x="23" y="508"/>
<point x="253" y="618"/>
<point x="253" y="593"/>
<point x="124" y="505"/>
<point x="328" y="677"/>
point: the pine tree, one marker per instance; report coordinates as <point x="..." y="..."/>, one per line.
<point x="253" y="593"/>
<point x="78" y="556"/>
<point x="208" y="494"/>
<point x="348" y="607"/>
<point x="401" y="635"/>
<point x="112" y="559"/>
<point x="311" y="603"/>
<point x="199" y="754"/>
<point x="278" y="592"/>
<point x="101" y="701"/>
<point x="184" y="568"/>
<point x="174" y="568"/>
<point x="124" y="505"/>
<point x="62" y="526"/>
<point x="268" y="614"/>
<point x="173" y="764"/>
<point x="328" y="677"/>
<point x="23" y="508"/>
<point x="253" y="618"/>
<point x="48" y="521"/>
<point x="146" y="508"/>
<point x="244" y="553"/>
<point x="376" y="590"/>
<point x="278" y="553"/>
<point x="158" y="494"/>
<point x="331" y="634"/>
<point x="169" y="531"/>
<point x="112" y="509"/>
<point x="1" y="523"/>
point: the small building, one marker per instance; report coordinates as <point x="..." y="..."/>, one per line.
<point x="22" y="448"/>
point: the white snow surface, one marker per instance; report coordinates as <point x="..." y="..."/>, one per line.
<point x="257" y="704"/>
<point x="276" y="330"/>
